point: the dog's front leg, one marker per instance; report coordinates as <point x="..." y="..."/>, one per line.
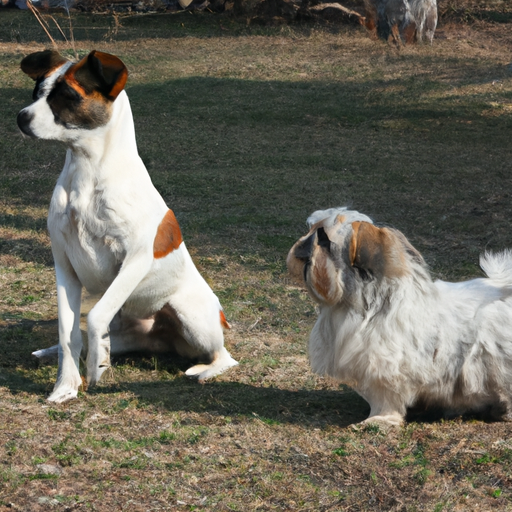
<point x="386" y="406"/>
<point x="69" y="291"/>
<point x="130" y="275"/>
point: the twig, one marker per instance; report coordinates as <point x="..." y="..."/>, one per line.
<point x="71" y="35"/>
<point x="254" y="324"/>
<point x="38" y="17"/>
<point x="58" y="27"/>
<point x="45" y="26"/>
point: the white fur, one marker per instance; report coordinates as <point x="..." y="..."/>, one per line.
<point x="103" y="219"/>
<point x="402" y="339"/>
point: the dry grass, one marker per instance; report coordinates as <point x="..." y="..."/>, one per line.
<point x="245" y="131"/>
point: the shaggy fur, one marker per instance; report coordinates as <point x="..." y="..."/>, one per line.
<point x="112" y="232"/>
<point x="394" y="335"/>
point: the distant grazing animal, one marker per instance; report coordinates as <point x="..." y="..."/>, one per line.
<point x="112" y="232"/>
<point x="394" y="335"/>
<point x="404" y="21"/>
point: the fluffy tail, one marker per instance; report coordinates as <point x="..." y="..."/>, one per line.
<point x="498" y="266"/>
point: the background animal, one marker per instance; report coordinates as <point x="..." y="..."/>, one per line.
<point x="404" y="21"/>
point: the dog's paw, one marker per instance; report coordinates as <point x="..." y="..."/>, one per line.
<point x="62" y="394"/>
<point x="221" y="363"/>
<point x="98" y="360"/>
<point x="383" y="421"/>
<point x="94" y="374"/>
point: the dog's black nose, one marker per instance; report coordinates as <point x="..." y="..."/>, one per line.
<point x="24" y="119"/>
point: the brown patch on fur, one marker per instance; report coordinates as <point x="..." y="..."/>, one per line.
<point x="99" y="73"/>
<point x="409" y="33"/>
<point x="395" y="34"/>
<point x="168" y="236"/>
<point x="225" y="324"/>
<point x="83" y="386"/>
<point x="321" y="280"/>
<point x="371" y="18"/>
<point x="114" y="65"/>
<point x="377" y="250"/>
<point x="69" y="77"/>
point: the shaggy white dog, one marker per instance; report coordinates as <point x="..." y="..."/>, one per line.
<point x="394" y="335"/>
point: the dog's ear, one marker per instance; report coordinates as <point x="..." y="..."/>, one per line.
<point x="40" y="64"/>
<point x="100" y="72"/>
<point x="377" y="251"/>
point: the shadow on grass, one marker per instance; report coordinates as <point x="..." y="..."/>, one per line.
<point x="20" y="338"/>
<point x="21" y="373"/>
<point x="315" y="408"/>
<point x="271" y="405"/>
<point x="27" y="249"/>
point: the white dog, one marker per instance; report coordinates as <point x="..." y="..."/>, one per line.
<point x="112" y="232"/>
<point x="394" y="335"/>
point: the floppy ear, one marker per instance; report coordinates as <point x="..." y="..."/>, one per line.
<point x="40" y="64"/>
<point x="100" y="72"/>
<point x="377" y="251"/>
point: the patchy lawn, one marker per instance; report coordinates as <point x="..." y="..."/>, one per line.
<point x="245" y="131"/>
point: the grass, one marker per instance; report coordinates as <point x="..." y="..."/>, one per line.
<point x="245" y="131"/>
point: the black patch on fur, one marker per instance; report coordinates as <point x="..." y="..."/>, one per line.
<point x="72" y="110"/>
<point x="35" y="92"/>
<point x="304" y="250"/>
<point x="323" y="239"/>
<point x="365" y="275"/>
<point x="305" y="269"/>
<point x="38" y="64"/>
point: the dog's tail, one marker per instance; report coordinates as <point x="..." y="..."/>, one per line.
<point x="498" y="266"/>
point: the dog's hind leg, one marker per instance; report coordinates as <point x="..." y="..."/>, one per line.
<point x="201" y="335"/>
<point x="222" y="360"/>
<point x="69" y="292"/>
<point x="196" y="332"/>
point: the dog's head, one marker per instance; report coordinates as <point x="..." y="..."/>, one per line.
<point x="344" y="251"/>
<point x="70" y="97"/>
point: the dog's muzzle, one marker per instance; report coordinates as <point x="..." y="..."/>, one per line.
<point x="24" y="119"/>
<point x="304" y="249"/>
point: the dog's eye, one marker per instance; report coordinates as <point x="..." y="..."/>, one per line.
<point x="63" y="93"/>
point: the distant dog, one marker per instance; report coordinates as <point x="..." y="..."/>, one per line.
<point x="394" y="335"/>
<point x="111" y="231"/>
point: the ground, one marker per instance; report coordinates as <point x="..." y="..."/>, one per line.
<point x="245" y="131"/>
